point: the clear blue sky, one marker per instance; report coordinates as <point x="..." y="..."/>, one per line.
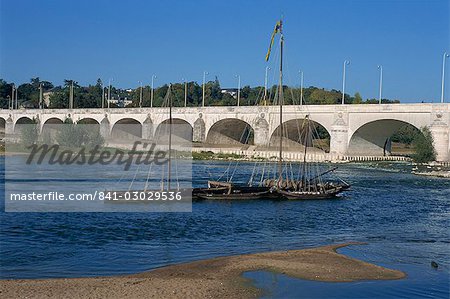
<point x="131" y="40"/>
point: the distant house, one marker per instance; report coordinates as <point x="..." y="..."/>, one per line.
<point x="120" y="101"/>
<point x="231" y="91"/>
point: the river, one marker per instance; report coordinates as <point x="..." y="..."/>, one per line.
<point x="405" y="220"/>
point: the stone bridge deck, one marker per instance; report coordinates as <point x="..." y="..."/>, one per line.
<point x="358" y="130"/>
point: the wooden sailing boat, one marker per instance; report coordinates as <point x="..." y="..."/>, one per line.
<point x="307" y="187"/>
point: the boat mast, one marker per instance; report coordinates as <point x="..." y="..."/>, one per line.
<point x="304" y="152"/>
<point x="280" y="99"/>
<point x="170" y="138"/>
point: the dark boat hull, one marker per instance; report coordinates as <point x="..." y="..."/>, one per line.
<point x="329" y="194"/>
<point x="236" y="196"/>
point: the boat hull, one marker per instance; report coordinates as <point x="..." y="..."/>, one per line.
<point x="330" y="194"/>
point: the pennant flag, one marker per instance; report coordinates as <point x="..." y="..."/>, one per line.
<point x="275" y="31"/>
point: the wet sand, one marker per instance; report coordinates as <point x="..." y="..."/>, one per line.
<point x="213" y="278"/>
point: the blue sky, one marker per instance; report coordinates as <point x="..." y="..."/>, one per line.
<point x="131" y="40"/>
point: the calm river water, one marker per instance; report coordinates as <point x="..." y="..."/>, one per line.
<point x="404" y="218"/>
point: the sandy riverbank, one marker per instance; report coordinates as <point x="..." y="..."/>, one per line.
<point x="213" y="278"/>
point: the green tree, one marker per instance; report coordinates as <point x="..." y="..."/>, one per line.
<point x="423" y="147"/>
<point x="406" y="134"/>
<point x="59" y="99"/>
<point x="357" y="99"/>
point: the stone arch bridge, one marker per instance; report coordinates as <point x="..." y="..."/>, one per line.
<point x="353" y="129"/>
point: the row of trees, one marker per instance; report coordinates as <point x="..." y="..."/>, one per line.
<point x="91" y="96"/>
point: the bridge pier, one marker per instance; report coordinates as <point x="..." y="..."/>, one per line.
<point x="261" y="131"/>
<point x="147" y="128"/>
<point x="9" y="126"/>
<point x="440" y="133"/>
<point x="339" y="139"/>
<point x="105" y="128"/>
<point x="199" y="130"/>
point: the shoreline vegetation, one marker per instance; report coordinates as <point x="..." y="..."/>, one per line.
<point x="212" y="278"/>
<point x="91" y="96"/>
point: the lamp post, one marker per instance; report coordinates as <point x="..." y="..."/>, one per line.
<point x="203" y="93"/>
<point x="103" y="96"/>
<point x="346" y="62"/>
<point x="380" y="67"/>
<point x="185" y="91"/>
<point x="12" y="97"/>
<point x="17" y="96"/>
<point x="109" y="91"/>
<point x="301" y="87"/>
<point x="140" y="95"/>
<point x="151" y="91"/>
<point x="41" y="106"/>
<point x="239" y="90"/>
<point x="265" y="86"/>
<point x="443" y="76"/>
<point x="71" y="95"/>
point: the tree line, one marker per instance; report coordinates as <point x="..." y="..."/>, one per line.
<point x="28" y="95"/>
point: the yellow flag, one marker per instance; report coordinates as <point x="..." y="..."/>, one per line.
<point x="275" y="31"/>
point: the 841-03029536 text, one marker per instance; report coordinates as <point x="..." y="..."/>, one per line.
<point x="99" y="195"/>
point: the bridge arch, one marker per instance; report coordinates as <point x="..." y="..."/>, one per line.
<point x="50" y="129"/>
<point x="24" y="120"/>
<point x="88" y="121"/>
<point x="181" y="128"/>
<point x="374" y="137"/>
<point x="230" y="131"/>
<point x="127" y="128"/>
<point x="295" y="134"/>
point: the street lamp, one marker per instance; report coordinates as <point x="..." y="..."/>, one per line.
<point x="151" y="91"/>
<point x="380" y="67"/>
<point x="140" y="95"/>
<point x="203" y="93"/>
<point x="346" y="62"/>
<point x="109" y="91"/>
<point x="41" y="106"/>
<point x="71" y="95"/>
<point x="301" y="87"/>
<point x="12" y="96"/>
<point x="103" y="94"/>
<point x="17" y="96"/>
<point x="239" y="89"/>
<point x="265" y="86"/>
<point x="185" y="91"/>
<point x="443" y="76"/>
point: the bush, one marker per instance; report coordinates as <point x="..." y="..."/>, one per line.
<point x="423" y="147"/>
<point x="75" y="135"/>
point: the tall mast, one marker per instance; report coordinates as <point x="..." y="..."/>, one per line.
<point x="170" y="138"/>
<point x="280" y="99"/>
<point x="304" y="152"/>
